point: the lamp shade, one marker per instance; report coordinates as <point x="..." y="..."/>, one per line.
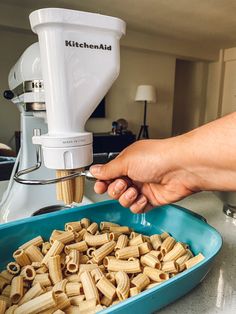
<point x="146" y="93"/>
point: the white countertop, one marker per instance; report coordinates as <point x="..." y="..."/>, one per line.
<point x="217" y="293"/>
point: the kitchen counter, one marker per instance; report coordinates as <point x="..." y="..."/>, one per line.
<point x="217" y="293"/>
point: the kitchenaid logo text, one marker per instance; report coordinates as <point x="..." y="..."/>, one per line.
<point x="72" y="43"/>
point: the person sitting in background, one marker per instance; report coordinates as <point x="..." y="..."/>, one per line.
<point x="152" y="173"/>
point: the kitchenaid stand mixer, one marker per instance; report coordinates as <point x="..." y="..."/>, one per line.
<point x="70" y="70"/>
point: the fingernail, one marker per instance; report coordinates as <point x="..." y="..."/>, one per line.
<point x="142" y="200"/>
<point x="95" y="169"/>
<point x="119" y="187"/>
<point x="130" y="194"/>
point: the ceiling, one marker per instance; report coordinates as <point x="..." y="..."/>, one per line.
<point x="203" y="22"/>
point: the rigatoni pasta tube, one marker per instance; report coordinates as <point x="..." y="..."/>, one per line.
<point x="79" y="246"/>
<point x="43" y="279"/>
<point x="73" y="278"/>
<point x="167" y="245"/>
<point x="103" y="251"/>
<point x="136" y="240"/>
<point x="116" y="235"/>
<point x="13" y="268"/>
<point x="98" y="240"/>
<point x="121" y="229"/>
<point x="55" y="234"/>
<point x="184" y="258"/>
<point x="16" y="289"/>
<point x="3" y="306"/>
<point x="177" y="251"/>
<point x="97" y="274"/>
<point x="150" y="260"/>
<point x="90" y="251"/>
<point x="158" y="254"/>
<point x="194" y="260"/>
<point x="130" y="267"/>
<point x="170" y="267"/>
<point x="34" y="253"/>
<point x="62" y="301"/>
<point x="73" y="288"/>
<point x="28" y="272"/>
<point x="106" y="287"/>
<point x="92" y="228"/>
<point x="55" y="249"/>
<point x="90" y="289"/>
<point x="156" y="241"/>
<point x="65" y="237"/>
<point x="123" y="285"/>
<point x="127" y="252"/>
<point x="164" y="235"/>
<point x="54" y="267"/>
<point x="73" y="226"/>
<point x="32" y="293"/>
<point x="87" y="267"/>
<point x="105" y="225"/>
<point x="121" y="242"/>
<point x="73" y="264"/>
<point x="37" y="241"/>
<point x="80" y="235"/>
<point x="44" y="302"/>
<point x="60" y="286"/>
<point x="46" y="247"/>
<point x="155" y="274"/>
<point x="21" y="258"/>
<point x="85" y="222"/>
<point x="140" y="281"/>
<point x="144" y="248"/>
<point x="134" y="291"/>
<point x="6" y="276"/>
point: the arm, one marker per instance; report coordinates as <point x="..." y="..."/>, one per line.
<point x="164" y="171"/>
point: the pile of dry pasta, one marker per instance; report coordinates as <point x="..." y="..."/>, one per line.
<point x="84" y="270"/>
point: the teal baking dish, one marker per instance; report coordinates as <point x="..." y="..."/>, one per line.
<point x="181" y="223"/>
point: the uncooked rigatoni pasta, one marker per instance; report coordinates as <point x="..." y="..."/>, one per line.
<point x="88" y="267"/>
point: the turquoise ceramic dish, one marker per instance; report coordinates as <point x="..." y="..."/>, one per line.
<point x="179" y="222"/>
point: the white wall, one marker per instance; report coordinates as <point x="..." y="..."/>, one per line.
<point x="212" y="97"/>
<point x="13" y="43"/>
<point x="189" y="96"/>
<point x="141" y="67"/>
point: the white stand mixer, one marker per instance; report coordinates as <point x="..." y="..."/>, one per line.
<point x="56" y="84"/>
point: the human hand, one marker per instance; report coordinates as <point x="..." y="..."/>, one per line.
<point x="146" y="174"/>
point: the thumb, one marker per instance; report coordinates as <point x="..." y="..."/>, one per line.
<point x="112" y="170"/>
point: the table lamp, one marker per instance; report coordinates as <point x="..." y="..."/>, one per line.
<point x="146" y="93"/>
